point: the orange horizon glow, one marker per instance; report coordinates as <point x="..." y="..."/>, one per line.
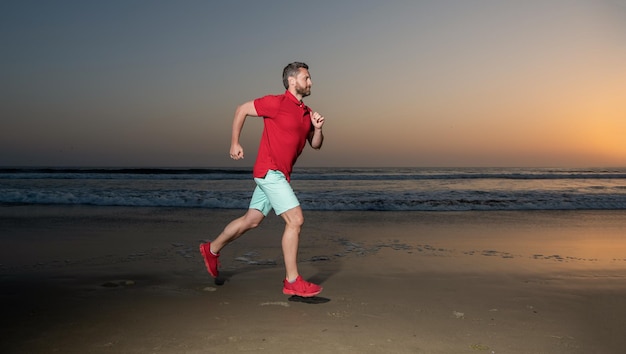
<point x="400" y="83"/>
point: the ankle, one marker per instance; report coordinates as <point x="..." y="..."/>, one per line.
<point x="292" y="280"/>
<point x="211" y="247"/>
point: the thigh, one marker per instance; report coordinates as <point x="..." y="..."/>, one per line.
<point x="260" y="201"/>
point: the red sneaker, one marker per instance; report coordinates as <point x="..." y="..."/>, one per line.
<point x="301" y="287"/>
<point x="210" y="260"/>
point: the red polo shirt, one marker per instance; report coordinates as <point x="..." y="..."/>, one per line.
<point x="286" y="126"/>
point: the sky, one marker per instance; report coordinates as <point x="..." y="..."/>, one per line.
<point x="445" y="83"/>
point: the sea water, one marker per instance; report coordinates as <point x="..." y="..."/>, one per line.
<point x="333" y="189"/>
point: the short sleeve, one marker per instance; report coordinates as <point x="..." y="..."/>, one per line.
<point x="267" y="106"/>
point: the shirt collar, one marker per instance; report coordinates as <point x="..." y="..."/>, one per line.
<point x="293" y="99"/>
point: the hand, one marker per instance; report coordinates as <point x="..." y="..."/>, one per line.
<point x="236" y="152"/>
<point x="317" y="120"/>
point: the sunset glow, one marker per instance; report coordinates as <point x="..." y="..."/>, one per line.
<point x="449" y="83"/>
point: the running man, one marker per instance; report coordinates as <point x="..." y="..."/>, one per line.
<point x="287" y="125"/>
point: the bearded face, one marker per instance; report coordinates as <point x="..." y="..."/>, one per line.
<point x="303" y="90"/>
<point x="303" y="83"/>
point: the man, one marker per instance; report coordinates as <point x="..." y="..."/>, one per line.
<point x="287" y="125"/>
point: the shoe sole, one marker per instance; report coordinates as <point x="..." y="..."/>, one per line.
<point x="206" y="262"/>
<point x="293" y="292"/>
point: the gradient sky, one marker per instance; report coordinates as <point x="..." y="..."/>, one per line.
<point x="401" y="83"/>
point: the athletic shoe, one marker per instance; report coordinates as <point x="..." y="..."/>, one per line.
<point x="301" y="287"/>
<point x="210" y="260"/>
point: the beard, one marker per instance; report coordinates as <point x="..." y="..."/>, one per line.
<point x="304" y="91"/>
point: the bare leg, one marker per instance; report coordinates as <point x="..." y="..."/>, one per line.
<point x="251" y="219"/>
<point x="293" y="224"/>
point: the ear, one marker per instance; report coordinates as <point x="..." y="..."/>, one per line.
<point x="291" y="80"/>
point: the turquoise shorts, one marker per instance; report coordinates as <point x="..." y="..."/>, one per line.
<point x="273" y="192"/>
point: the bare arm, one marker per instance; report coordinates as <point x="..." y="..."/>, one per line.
<point x="243" y="111"/>
<point x="316" y="137"/>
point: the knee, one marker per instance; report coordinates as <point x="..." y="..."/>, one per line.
<point x="252" y="223"/>
<point x="296" y="221"/>
<point x="301" y="220"/>
<point x="293" y="218"/>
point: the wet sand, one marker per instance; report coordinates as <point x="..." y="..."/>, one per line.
<point x="130" y="280"/>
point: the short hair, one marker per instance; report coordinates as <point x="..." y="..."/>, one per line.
<point x="292" y="69"/>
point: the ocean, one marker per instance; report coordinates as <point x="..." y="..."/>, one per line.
<point x="332" y="189"/>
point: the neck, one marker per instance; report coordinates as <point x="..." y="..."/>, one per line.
<point x="295" y="94"/>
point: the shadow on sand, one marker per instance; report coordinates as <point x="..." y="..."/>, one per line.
<point x="325" y="271"/>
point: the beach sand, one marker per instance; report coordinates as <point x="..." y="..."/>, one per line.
<point x="131" y="280"/>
